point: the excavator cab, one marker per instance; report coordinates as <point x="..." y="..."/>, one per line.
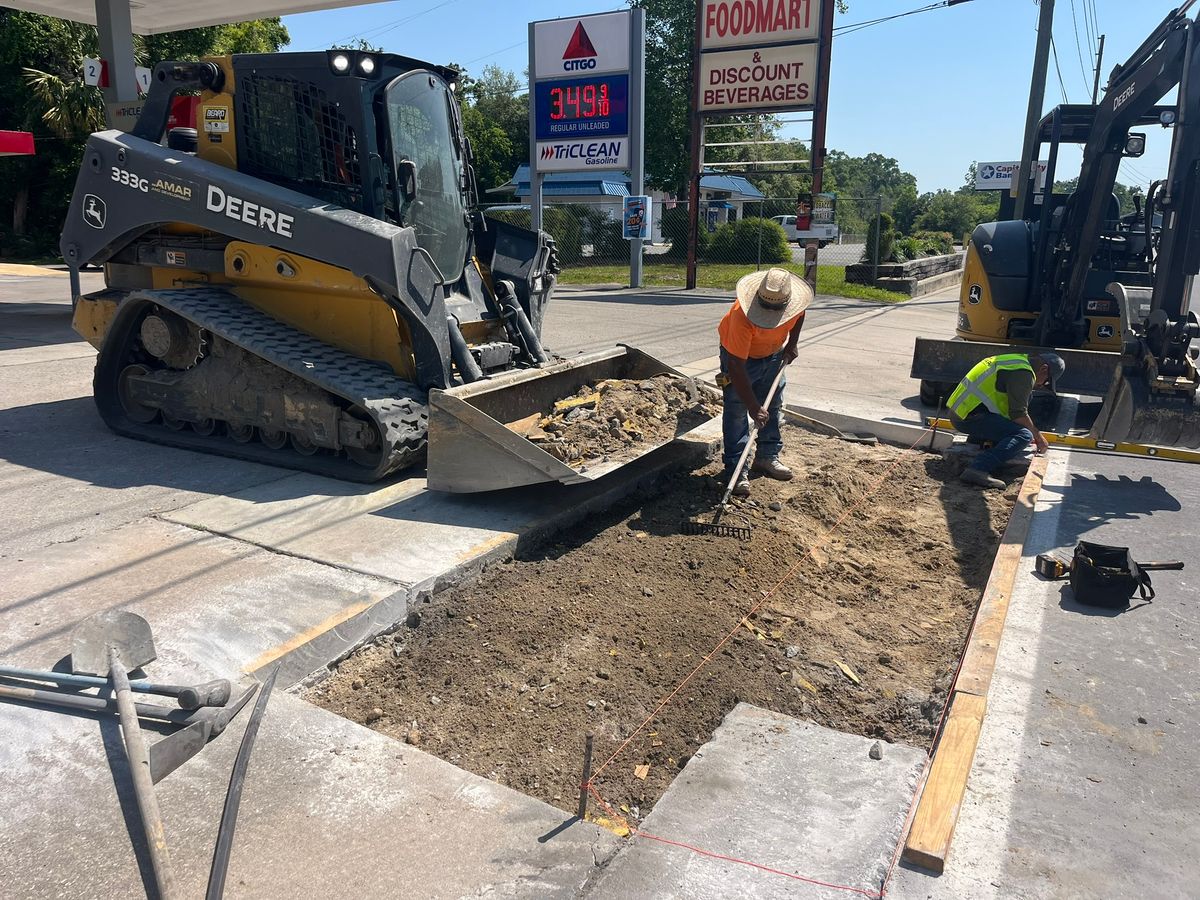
<point x="1072" y="273"/>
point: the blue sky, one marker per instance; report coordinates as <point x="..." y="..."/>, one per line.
<point x="935" y="90"/>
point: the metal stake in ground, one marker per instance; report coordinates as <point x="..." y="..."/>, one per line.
<point x="581" y="813"/>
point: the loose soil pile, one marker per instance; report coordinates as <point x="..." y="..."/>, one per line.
<point x="619" y="418"/>
<point x="506" y="677"/>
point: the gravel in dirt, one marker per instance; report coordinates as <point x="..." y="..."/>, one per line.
<point x="619" y="418"/>
<point x="507" y="676"/>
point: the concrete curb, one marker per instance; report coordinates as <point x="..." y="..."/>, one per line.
<point x="895" y="433"/>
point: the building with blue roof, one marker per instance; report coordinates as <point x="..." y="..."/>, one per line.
<point x="722" y="196"/>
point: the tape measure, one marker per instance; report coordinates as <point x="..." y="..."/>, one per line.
<point x="1050" y="566"/>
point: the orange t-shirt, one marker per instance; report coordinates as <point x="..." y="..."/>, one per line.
<point x="745" y="340"/>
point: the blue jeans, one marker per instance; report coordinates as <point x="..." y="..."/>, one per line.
<point x="1007" y="437"/>
<point x="735" y="419"/>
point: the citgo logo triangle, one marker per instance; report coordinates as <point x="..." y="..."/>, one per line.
<point x="580" y="45"/>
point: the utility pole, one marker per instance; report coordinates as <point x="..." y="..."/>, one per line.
<point x="1099" y="62"/>
<point x="1037" y="93"/>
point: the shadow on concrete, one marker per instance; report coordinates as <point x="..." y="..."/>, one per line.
<point x="1068" y="603"/>
<point x="67" y="438"/>
<point x="122" y="777"/>
<point x="1091" y="500"/>
<point x="36" y="324"/>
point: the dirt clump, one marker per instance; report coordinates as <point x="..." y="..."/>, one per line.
<point x="866" y="570"/>
<point x="619" y="417"/>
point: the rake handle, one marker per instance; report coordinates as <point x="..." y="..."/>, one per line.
<point x="741" y="463"/>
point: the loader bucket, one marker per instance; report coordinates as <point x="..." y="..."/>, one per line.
<point x="472" y="448"/>
<point x="1133" y="412"/>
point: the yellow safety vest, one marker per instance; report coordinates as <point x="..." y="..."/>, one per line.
<point x="979" y="387"/>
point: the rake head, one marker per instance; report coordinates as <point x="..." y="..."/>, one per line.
<point x="716" y="529"/>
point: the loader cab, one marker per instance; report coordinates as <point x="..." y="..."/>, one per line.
<point x="377" y="133"/>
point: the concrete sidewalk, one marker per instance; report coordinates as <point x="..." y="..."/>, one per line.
<point x="1084" y="778"/>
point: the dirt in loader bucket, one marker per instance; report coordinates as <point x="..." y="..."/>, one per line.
<point x="507" y="676"/>
<point x="616" y="418"/>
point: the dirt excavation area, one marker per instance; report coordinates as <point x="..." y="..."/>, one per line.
<point x="506" y="677"/>
<point x="619" y="418"/>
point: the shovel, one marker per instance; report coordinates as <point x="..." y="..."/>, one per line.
<point x="716" y="526"/>
<point x="112" y="643"/>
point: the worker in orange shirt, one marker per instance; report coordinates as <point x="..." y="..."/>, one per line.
<point x="758" y="336"/>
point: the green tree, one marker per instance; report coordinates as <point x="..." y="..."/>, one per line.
<point x="41" y="83"/>
<point x="1124" y="193"/>
<point x="495" y="112"/>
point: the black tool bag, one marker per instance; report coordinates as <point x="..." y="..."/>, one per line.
<point x="1108" y="576"/>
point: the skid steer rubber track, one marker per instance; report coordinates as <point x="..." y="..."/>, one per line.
<point x="368" y="389"/>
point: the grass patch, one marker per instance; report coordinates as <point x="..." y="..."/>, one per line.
<point x="830" y="279"/>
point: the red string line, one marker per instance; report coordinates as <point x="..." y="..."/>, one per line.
<point x="821" y="541"/>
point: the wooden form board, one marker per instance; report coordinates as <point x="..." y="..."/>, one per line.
<point x="928" y="842"/>
<point x="929" y="837"/>
<point x="983" y="643"/>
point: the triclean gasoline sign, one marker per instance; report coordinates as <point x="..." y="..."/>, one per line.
<point x="586" y="89"/>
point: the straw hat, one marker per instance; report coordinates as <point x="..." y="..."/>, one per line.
<point x="772" y="297"/>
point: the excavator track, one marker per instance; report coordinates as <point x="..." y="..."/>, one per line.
<point x="380" y="422"/>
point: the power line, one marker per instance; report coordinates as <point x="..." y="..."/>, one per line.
<point x="379" y="30"/>
<point x="495" y="52"/>
<point x="1061" y="85"/>
<point x="1078" y="48"/>
<point x="859" y="26"/>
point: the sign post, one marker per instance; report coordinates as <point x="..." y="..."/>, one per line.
<point x="758" y="59"/>
<point x="586" y="110"/>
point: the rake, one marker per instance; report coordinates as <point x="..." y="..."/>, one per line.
<point x="716" y="527"/>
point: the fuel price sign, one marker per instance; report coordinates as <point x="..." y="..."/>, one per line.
<point x="582" y="107"/>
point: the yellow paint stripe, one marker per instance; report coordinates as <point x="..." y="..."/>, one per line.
<point x="309" y="634"/>
<point x="490" y="544"/>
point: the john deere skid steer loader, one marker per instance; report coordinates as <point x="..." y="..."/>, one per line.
<point x="1111" y="293"/>
<point x="302" y="279"/>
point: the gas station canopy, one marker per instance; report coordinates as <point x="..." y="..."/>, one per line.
<point x="157" y="16"/>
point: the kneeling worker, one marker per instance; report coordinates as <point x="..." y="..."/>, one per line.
<point x="992" y="404"/>
<point x="758" y="337"/>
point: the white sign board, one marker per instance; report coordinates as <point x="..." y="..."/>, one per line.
<point x="754" y="23"/>
<point x="93" y="72"/>
<point x="123" y="115"/>
<point x="998" y="176"/>
<point x="583" y="154"/>
<point x="581" y="46"/>
<point x="143" y="79"/>
<point x="763" y="78"/>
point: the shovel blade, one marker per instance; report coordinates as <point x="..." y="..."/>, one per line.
<point x="127" y="632"/>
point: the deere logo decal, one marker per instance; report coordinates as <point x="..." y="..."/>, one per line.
<point x="580" y="52"/>
<point x="94" y="211"/>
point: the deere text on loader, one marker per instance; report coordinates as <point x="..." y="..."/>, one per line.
<point x="1070" y="272"/>
<point x="303" y="279"/>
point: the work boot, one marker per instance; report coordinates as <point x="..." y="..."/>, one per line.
<point x="772" y="468"/>
<point x="980" y="478"/>
<point x="741" y="487"/>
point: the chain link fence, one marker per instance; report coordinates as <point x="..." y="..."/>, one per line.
<point x="736" y="236"/>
